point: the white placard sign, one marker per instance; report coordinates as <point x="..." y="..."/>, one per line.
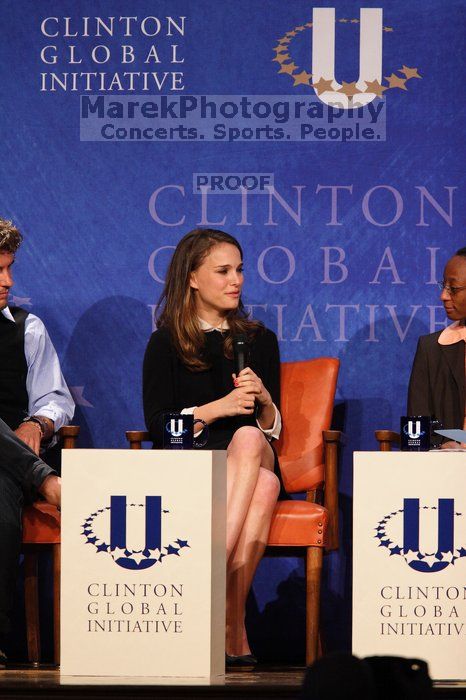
<point x="409" y="558"/>
<point x="143" y="563"/>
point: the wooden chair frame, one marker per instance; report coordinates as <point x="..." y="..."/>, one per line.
<point x="387" y="439"/>
<point x="313" y="555"/>
<point x="68" y="435"/>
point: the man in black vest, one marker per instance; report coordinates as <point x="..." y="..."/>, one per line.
<point x="34" y="403"/>
<point x="34" y="399"/>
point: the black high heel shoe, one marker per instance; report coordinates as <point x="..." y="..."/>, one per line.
<point x="237" y="661"/>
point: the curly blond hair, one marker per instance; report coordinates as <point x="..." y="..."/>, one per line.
<point x="10" y="237"/>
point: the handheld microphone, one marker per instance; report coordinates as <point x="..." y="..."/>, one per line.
<point x="240" y="350"/>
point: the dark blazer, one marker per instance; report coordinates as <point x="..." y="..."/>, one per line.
<point x="437" y="383"/>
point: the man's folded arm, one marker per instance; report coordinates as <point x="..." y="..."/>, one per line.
<point x="49" y="396"/>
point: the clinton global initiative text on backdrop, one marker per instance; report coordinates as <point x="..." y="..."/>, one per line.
<point x="163" y="31"/>
<point x="332" y="264"/>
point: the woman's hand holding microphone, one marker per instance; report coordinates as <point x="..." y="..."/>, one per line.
<point x="248" y="390"/>
<point x="248" y="393"/>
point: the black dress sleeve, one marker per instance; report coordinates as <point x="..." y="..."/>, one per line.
<point x="271" y="375"/>
<point x="267" y="363"/>
<point x="419" y="403"/>
<point x="158" y="382"/>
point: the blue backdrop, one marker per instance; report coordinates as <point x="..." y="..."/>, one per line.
<point x="341" y="261"/>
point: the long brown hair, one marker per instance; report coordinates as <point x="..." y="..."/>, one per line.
<point x="179" y="313"/>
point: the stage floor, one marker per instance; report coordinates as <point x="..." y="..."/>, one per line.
<point x="267" y="682"/>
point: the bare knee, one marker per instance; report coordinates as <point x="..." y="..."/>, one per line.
<point x="247" y="440"/>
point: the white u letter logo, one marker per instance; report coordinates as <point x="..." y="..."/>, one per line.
<point x="176" y="427"/>
<point x="323" y="54"/>
<point x="414" y="432"/>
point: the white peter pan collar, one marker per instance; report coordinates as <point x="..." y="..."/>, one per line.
<point x="207" y="327"/>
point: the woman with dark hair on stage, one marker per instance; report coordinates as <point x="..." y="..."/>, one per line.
<point x="437" y="384"/>
<point x="189" y="368"/>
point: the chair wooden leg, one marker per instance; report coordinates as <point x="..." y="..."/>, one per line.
<point x="314" y="559"/>
<point x="56" y="603"/>
<point x="31" y="595"/>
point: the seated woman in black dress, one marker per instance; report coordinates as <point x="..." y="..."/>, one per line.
<point x="437" y="383"/>
<point x="189" y="367"/>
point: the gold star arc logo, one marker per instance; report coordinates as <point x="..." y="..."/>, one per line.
<point x="375" y="87"/>
<point x="288" y="68"/>
<point x="396" y="81"/>
<point x="281" y="57"/>
<point x="410" y="72"/>
<point x="322" y="85"/>
<point x="349" y="89"/>
<point x="303" y="78"/>
<point x="283" y="52"/>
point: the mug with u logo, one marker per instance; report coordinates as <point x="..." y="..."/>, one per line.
<point x="415" y="433"/>
<point x="178" y="432"/>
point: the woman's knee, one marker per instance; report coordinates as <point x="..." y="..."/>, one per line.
<point x="247" y="439"/>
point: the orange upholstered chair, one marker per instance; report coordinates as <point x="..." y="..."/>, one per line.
<point x="41" y="530"/>
<point x="308" y="452"/>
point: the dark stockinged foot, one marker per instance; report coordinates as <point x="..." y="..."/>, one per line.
<point x="237" y="661"/>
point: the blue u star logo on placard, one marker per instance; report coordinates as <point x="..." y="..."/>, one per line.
<point x="152" y="552"/>
<point x="446" y="552"/>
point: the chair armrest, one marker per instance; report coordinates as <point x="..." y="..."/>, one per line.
<point x="136" y="437"/>
<point x="336" y="436"/>
<point x="386" y="439"/>
<point x="68" y="435"/>
<point x="332" y="440"/>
